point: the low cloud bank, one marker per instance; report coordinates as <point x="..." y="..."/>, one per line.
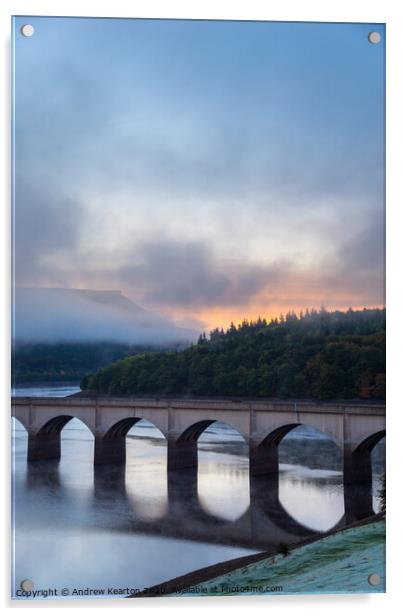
<point x="55" y="315"/>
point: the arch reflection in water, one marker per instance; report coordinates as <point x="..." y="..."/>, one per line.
<point x="146" y="470"/>
<point x="77" y="450"/>
<point x="57" y="489"/>
<point x="262" y="526"/>
<point x="223" y="472"/>
<point x="311" y="472"/>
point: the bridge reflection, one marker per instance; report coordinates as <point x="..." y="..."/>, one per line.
<point x="263" y="526"/>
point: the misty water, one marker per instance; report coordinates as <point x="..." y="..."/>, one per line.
<point x="128" y="529"/>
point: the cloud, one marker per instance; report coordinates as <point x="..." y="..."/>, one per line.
<point x="192" y="181"/>
<point x="46" y="226"/>
<point x="366" y="250"/>
<point x="51" y="315"/>
<point x="179" y="273"/>
<point x="360" y="270"/>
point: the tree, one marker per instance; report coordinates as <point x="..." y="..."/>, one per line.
<point x="320" y="355"/>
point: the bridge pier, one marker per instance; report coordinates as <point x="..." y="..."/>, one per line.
<point x="357" y="465"/>
<point x="264" y="493"/>
<point x="263" y="460"/>
<point x="110" y="481"/>
<point x="182" y="490"/>
<point x="110" y="450"/>
<point x="181" y="454"/>
<point x="357" y="481"/>
<point x="43" y="446"/>
<point x="358" y="502"/>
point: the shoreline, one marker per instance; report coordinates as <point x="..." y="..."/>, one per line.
<point x="198" y="576"/>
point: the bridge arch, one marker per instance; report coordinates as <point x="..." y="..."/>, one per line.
<point x="191" y="450"/>
<point x="16" y="422"/>
<point x="264" y="452"/>
<point x="110" y="444"/>
<point x="368" y="444"/>
<point x="195" y="430"/>
<point x="317" y="450"/>
<point x="275" y="433"/>
<point x="56" y="424"/>
<point x="45" y="442"/>
<point x="120" y="422"/>
<point x="19" y="440"/>
<point x="121" y="427"/>
<point x="358" y="462"/>
<point x="358" y="476"/>
<point x="357" y="458"/>
<point x="275" y="437"/>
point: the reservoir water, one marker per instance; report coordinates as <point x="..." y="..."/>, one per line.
<point x="109" y="530"/>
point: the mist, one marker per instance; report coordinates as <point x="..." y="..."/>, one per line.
<point x="78" y="315"/>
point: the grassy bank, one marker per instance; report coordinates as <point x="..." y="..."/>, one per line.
<point x="338" y="562"/>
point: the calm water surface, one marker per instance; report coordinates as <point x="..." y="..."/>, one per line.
<point x="74" y="529"/>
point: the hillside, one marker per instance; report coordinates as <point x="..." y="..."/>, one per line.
<point x="320" y="355"/>
<point x="66" y="362"/>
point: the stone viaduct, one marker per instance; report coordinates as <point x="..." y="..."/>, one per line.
<point x="355" y="428"/>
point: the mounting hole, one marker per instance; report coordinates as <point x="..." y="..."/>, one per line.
<point x="27" y="585"/>
<point x="27" y="30"/>
<point x="374" y="579"/>
<point x="374" y="38"/>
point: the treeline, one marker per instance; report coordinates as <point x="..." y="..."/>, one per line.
<point x="68" y="362"/>
<point x="317" y="354"/>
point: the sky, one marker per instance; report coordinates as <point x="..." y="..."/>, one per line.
<point x="211" y="171"/>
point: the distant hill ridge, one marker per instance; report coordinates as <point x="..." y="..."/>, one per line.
<point x="109" y="297"/>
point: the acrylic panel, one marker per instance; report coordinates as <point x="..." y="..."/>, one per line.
<point x="198" y="369"/>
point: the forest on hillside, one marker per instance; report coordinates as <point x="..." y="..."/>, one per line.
<point x="41" y="362"/>
<point x="316" y="354"/>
